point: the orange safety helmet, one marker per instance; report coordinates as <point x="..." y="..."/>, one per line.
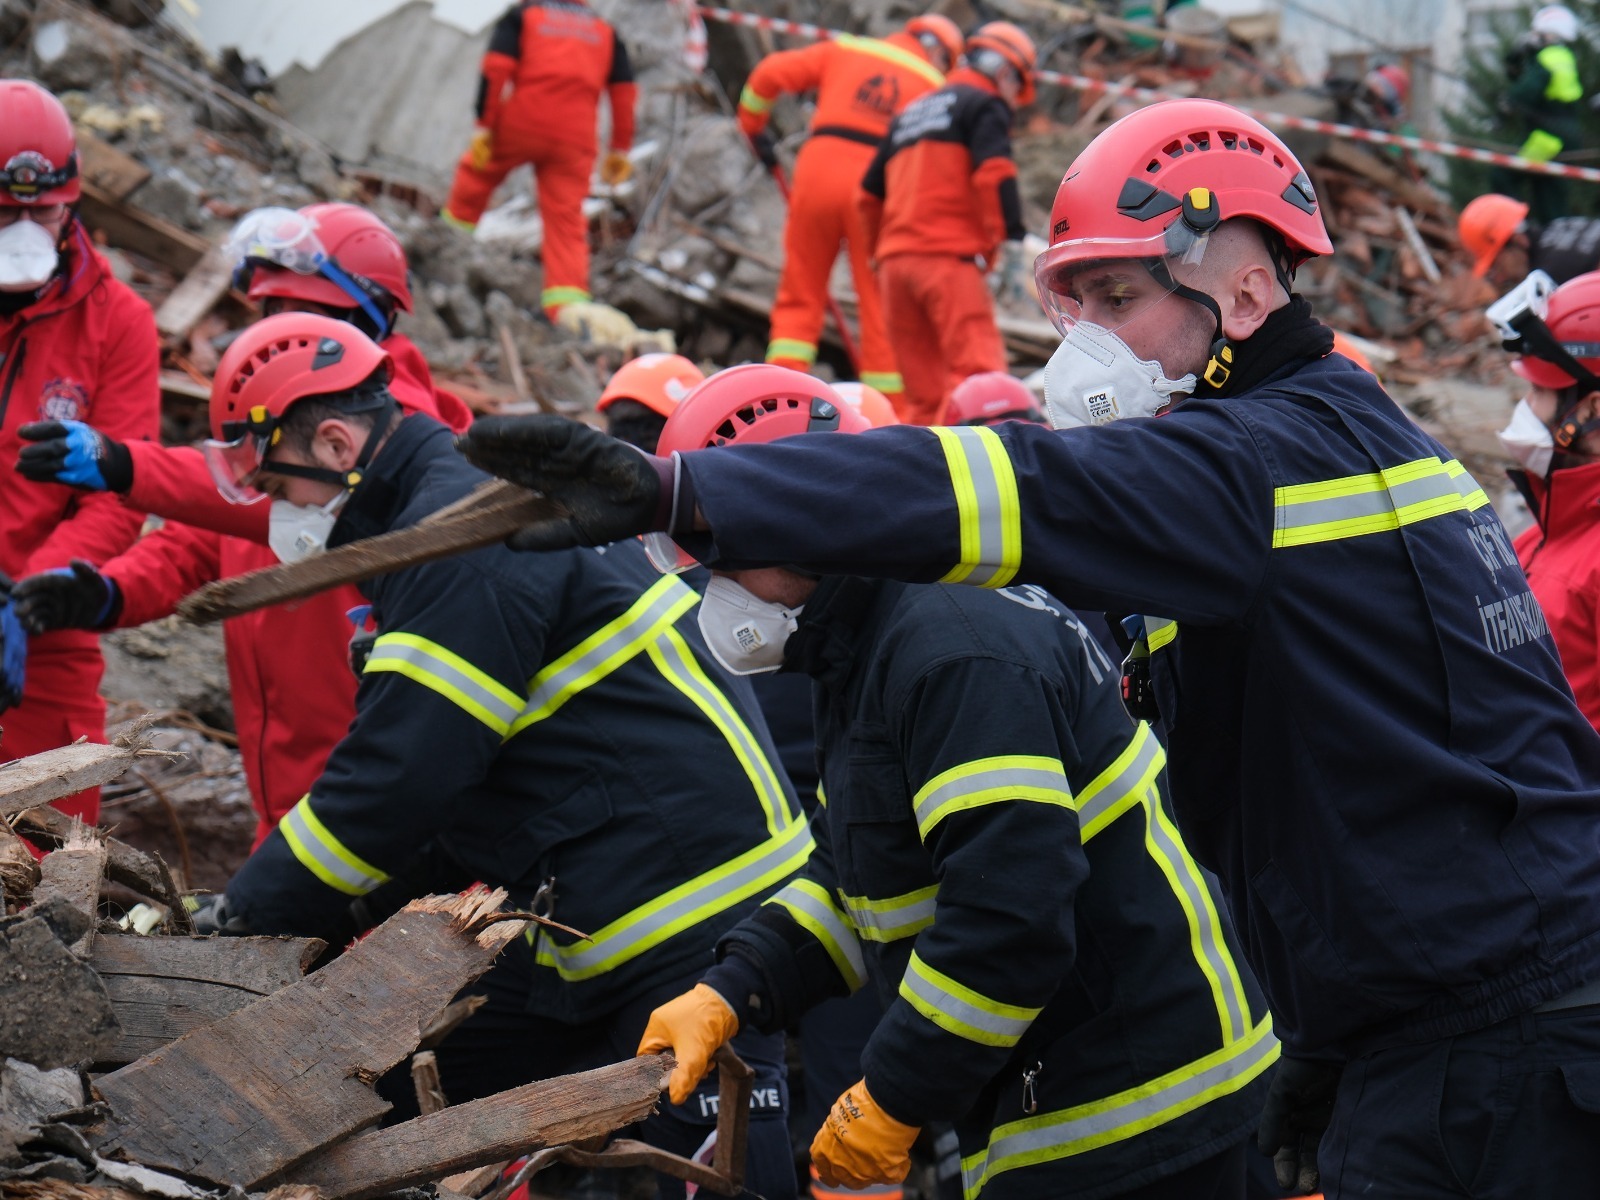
<point x="941" y="30"/>
<point x="38" y="147"/>
<point x="990" y="398"/>
<point x="658" y="381"/>
<point x="1486" y="224"/>
<point x="869" y="402"/>
<point x="1012" y="45"/>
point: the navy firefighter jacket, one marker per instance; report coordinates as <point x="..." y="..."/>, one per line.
<point x="556" y="721"/>
<point x="1372" y="742"/>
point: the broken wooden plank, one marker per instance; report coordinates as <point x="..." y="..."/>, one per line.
<point x="40" y="778"/>
<point x="248" y="1097"/>
<point x="163" y="987"/>
<point x="19" y="870"/>
<point x="115" y="174"/>
<point x="450" y="1020"/>
<point x="145" y="873"/>
<point x="547" y="1113"/>
<point x="73" y="873"/>
<point x="425" y="1080"/>
<point x="512" y="358"/>
<point x="54" y="1011"/>
<point x="131" y="228"/>
<point x="498" y="510"/>
<point x="197" y="293"/>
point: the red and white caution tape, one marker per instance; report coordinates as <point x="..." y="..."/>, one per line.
<point x="1281" y="120"/>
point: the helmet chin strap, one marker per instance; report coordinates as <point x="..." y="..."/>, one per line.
<point x="351" y="479"/>
<point x="1220" y="365"/>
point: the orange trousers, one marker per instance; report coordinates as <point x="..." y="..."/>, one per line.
<point x="561" y="170"/>
<point x="941" y="321"/>
<point x="822" y="213"/>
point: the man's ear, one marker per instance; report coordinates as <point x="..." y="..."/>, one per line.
<point x="1253" y="293"/>
<point x="336" y="444"/>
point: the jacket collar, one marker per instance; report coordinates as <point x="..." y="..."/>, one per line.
<point x="832" y="627"/>
<point x="1565" y="501"/>
<point x="967" y="77"/>
<point x="391" y="477"/>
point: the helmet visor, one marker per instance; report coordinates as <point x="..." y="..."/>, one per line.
<point x="666" y="555"/>
<point x="233" y="466"/>
<point x="1107" y="281"/>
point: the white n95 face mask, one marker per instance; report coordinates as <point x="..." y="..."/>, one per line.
<point x="1094" y="378"/>
<point x="298" y="531"/>
<point x="744" y="633"/>
<point x="1528" y="441"/>
<point x="28" y="256"/>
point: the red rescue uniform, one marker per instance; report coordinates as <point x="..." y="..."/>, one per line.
<point x="941" y="195"/>
<point x="861" y="84"/>
<point x="1561" y="557"/>
<point x="293" y="694"/>
<point x="547" y="63"/>
<point x="86" y="351"/>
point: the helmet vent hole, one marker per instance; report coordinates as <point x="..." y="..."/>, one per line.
<point x="1153" y="166"/>
<point x="1202" y="140"/>
<point x="1276" y="161"/>
<point x="1173" y="149"/>
<point x="1230" y="141"/>
<point x="1254" y="146"/>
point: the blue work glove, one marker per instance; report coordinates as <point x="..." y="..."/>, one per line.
<point x="75" y="597"/>
<point x="74" y="453"/>
<point x="13" y="651"/>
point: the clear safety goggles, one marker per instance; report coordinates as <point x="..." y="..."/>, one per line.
<point x="1531" y="298"/>
<point x="666" y="555"/>
<point x="234" y="466"/>
<point x="282" y="237"/>
<point x="1108" y="282"/>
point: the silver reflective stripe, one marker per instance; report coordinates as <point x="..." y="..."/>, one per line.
<point x="806" y="901"/>
<point x="1106" y="793"/>
<point x="1369" y="504"/>
<point x="456" y="683"/>
<point x="987" y="785"/>
<point x="892" y="919"/>
<point x="962" y="1011"/>
<point x="991" y="509"/>
<point x="308" y="841"/>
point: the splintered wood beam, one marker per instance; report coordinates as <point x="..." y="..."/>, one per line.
<point x="144" y="873"/>
<point x="490" y="515"/>
<point x="548" y="1113"/>
<point x="250" y="1096"/>
<point x="19" y="870"/>
<point x="40" y="778"/>
<point x="73" y="873"/>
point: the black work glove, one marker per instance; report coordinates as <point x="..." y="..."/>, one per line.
<point x="611" y="490"/>
<point x="765" y="148"/>
<point x="1298" y="1108"/>
<point x="73" y="453"/>
<point x="75" y="597"/>
<point x="210" y="914"/>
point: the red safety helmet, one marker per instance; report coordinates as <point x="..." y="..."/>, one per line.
<point x="1573" y="319"/>
<point x="1391" y="84"/>
<point x="660" y="382"/>
<point x="1152" y="184"/>
<point x="741" y="406"/>
<point x="940" y="29"/>
<point x="1486" y="224"/>
<point x="38" y="148"/>
<point x="869" y="402"/>
<point x="990" y="398"/>
<point x="1012" y="45"/>
<point x="268" y="368"/>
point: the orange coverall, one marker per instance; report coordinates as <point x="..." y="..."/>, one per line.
<point x="861" y="83"/>
<point x="547" y="63"/>
<point x="941" y="194"/>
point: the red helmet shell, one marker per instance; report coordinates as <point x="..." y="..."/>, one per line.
<point x="1574" y="320"/>
<point x="38" y="147"/>
<point x="756" y="402"/>
<point x="1130" y="184"/>
<point x="359" y="242"/>
<point x="979" y="399"/>
<point x="285" y="358"/>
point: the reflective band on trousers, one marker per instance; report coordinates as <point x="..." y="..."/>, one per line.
<point x="887" y="382"/>
<point x="751" y="874"/>
<point x="791" y="348"/>
<point x="958" y="1009"/>
<point x="555" y="297"/>
<point x="894" y="54"/>
<point x="447" y="673"/>
<point x="892" y="919"/>
<point x="1357" y="505"/>
<point x="325" y="856"/>
<point x="808" y="902"/>
<point x="989" y="781"/>
<point x="990" y="514"/>
<point x="1057" y="1135"/>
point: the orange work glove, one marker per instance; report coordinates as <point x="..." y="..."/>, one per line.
<point x="860" y="1145"/>
<point x="693" y="1027"/>
<point x="616" y="167"/>
<point x="481" y="148"/>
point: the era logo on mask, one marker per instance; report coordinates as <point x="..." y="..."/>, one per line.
<point x="63" y="400"/>
<point x="1101" y="406"/>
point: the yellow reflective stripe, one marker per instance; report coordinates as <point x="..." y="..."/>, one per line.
<point x="956" y="1008"/>
<point x="891" y="53"/>
<point x="1121" y="785"/>
<point x="892" y="919"/>
<point x="1541" y="146"/>
<point x="754" y="101"/>
<point x="677" y="664"/>
<point x="1049" y="1137"/>
<point x="447" y="673"/>
<point x="753" y="873"/>
<point x="449" y="218"/>
<point x="822" y="795"/>
<point x="1564" y="87"/>
<point x="325" y="856"/>
<point x="885" y="381"/>
<point x="606" y="649"/>
<point x="1356" y="505"/>
<point x="987" y="506"/>
<point x="1158" y="632"/>
<point x="989" y="781"/>
<point x="808" y="902"/>
<point x="555" y="297"/>
<point x="791" y="348"/>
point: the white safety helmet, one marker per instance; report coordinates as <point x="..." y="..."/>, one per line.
<point x="1556" y="21"/>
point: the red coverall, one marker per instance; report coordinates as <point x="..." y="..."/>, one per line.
<point x="1561" y="557"/>
<point x="87" y="351"/>
<point x="293" y="694"/>
<point x="861" y="83"/>
<point x="941" y="193"/>
<point x="554" y="57"/>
